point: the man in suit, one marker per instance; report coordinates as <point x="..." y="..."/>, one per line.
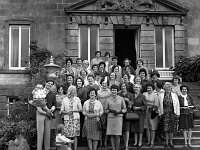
<point x="44" y="119"/>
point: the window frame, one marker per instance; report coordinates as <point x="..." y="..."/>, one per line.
<point x="173" y="46"/>
<point x="20" y="26"/>
<point x="79" y="47"/>
<point x="16" y="99"/>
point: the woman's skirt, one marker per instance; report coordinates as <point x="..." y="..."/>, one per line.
<point x="91" y="130"/>
<point x="114" y="125"/>
<point x="186" y="121"/>
<point x="137" y="126"/>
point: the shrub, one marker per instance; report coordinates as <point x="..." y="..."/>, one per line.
<point x="188" y="68"/>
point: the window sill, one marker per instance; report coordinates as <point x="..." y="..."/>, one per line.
<point x="14" y="72"/>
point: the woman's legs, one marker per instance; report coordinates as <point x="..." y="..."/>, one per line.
<point x="170" y="138"/>
<point x="89" y="141"/>
<point x="148" y="136"/>
<point x="136" y="138"/>
<point x="106" y="140"/>
<point x="117" y="142"/>
<point x="75" y="143"/>
<point x="167" y="138"/>
<point x="113" y="141"/>
<point x="140" y="139"/>
<point x="94" y="143"/>
<point x="126" y="138"/>
<point x="185" y="136"/>
<point x="153" y="134"/>
<point x="189" y="136"/>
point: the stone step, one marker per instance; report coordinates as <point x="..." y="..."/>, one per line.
<point x="197" y="122"/>
<point x="177" y="147"/>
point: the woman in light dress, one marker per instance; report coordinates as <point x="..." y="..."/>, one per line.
<point x="151" y="124"/>
<point x="71" y="106"/>
<point x="115" y="107"/>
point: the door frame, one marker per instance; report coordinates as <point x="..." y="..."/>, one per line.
<point x="135" y="27"/>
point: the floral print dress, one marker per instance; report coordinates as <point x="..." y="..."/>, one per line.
<point x="169" y="117"/>
<point x="72" y="126"/>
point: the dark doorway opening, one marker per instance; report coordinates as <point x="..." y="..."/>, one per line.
<point x="125" y="45"/>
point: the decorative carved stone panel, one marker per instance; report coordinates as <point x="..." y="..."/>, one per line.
<point x="126" y="5"/>
<point x="127" y="20"/>
<point x="165" y="20"/>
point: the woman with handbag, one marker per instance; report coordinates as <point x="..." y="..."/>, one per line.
<point x="169" y="112"/>
<point x="186" y="120"/>
<point x="103" y="94"/>
<point x="138" y="106"/>
<point x="151" y="120"/>
<point x="128" y="98"/>
<point x="70" y="108"/>
<point x="92" y="110"/>
<point x="115" y="108"/>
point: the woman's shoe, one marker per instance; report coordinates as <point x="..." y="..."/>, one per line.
<point x="148" y="144"/>
<point x="152" y="145"/>
<point x="171" y="145"/>
<point x="135" y="145"/>
<point x="166" y="145"/>
<point x="139" y="146"/>
<point x="189" y="145"/>
<point x="186" y="145"/>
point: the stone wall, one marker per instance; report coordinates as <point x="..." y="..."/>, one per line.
<point x="192" y="25"/>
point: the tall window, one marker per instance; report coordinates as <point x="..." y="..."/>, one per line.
<point x="19" y="40"/>
<point x="164" y="47"/>
<point x="88" y="41"/>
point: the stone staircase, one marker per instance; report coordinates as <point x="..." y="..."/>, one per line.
<point x="178" y="141"/>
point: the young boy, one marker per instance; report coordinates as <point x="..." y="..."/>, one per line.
<point x="61" y="140"/>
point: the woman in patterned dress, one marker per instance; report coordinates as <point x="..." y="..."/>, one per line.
<point x="103" y="94"/>
<point x="115" y="107"/>
<point x="71" y="106"/>
<point x="186" y="121"/>
<point x="128" y="98"/>
<point x="169" y="110"/>
<point x="92" y="110"/>
<point x="151" y="124"/>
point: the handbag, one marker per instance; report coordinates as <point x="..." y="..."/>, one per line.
<point x="132" y="116"/>
<point x="196" y="114"/>
<point x="154" y="114"/>
<point x="99" y="124"/>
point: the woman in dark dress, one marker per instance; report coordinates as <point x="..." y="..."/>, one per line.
<point x="139" y="106"/>
<point x="186" y="121"/>
<point x="128" y="98"/>
<point x="169" y="110"/>
<point x="82" y="95"/>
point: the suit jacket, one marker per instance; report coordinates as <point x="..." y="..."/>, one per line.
<point x="51" y="99"/>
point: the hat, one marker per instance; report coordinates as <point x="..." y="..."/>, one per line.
<point x="155" y="72"/>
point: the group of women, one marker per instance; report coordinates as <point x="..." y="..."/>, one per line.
<point x="93" y="103"/>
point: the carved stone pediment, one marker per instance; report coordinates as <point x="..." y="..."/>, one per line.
<point x="126" y="5"/>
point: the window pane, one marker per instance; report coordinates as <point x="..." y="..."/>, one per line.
<point x="24" y="46"/>
<point x="93" y="41"/>
<point x="84" y="42"/>
<point x="14" y="46"/>
<point x="159" y="47"/>
<point x="168" y="47"/>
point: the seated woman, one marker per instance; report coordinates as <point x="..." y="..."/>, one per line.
<point x="186" y="120"/>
